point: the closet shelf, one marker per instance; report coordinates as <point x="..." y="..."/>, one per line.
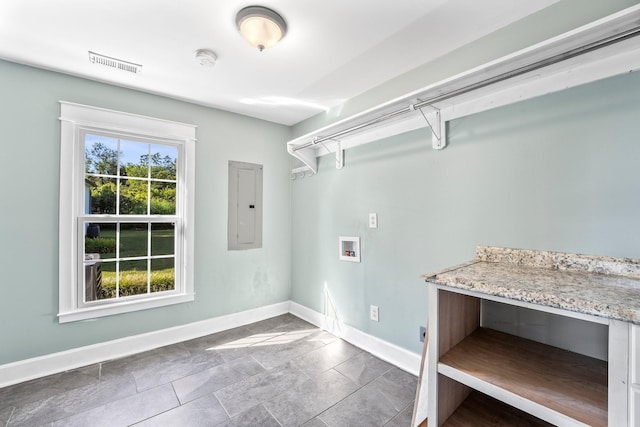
<point x="604" y="48"/>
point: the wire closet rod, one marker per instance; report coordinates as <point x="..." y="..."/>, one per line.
<point x="590" y="47"/>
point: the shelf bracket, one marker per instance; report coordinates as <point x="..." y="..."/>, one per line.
<point x="338" y="151"/>
<point x="339" y="156"/>
<point x="438" y="128"/>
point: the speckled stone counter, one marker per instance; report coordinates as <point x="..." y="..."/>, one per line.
<point x="600" y="286"/>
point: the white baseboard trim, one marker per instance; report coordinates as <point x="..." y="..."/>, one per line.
<point x="37" y="367"/>
<point x="28" y="369"/>
<point x="398" y="356"/>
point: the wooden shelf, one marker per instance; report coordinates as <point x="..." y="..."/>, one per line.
<point x="480" y="410"/>
<point x="540" y="379"/>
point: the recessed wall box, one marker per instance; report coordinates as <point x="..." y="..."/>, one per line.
<point x="349" y="248"/>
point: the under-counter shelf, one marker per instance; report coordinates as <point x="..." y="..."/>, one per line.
<point x="546" y="381"/>
<point x="479" y="410"/>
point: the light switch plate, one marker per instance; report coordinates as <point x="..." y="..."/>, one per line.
<point x="374" y="313"/>
<point x="373" y="220"/>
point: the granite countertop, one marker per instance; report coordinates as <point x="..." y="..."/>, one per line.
<point x="600" y="286"/>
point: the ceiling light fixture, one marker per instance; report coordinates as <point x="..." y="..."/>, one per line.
<point x="260" y="26"/>
<point x="206" y="58"/>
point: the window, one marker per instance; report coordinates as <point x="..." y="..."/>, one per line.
<point x="126" y="212"/>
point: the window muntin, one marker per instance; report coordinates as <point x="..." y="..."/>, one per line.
<point x="130" y="180"/>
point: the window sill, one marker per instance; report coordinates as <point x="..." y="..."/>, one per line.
<point x="123" y="307"/>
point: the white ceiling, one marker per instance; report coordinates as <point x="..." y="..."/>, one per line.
<point x="334" y="49"/>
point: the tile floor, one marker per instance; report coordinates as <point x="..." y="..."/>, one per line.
<point x="278" y="372"/>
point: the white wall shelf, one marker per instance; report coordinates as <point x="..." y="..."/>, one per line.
<point x="601" y="49"/>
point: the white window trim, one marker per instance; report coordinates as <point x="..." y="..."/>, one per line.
<point x="73" y="117"/>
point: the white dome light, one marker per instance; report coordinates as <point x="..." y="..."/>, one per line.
<point x="261" y="27"/>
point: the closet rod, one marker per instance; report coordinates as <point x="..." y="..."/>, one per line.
<point x="572" y="53"/>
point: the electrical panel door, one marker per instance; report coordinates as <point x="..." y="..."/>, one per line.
<point x="245" y="206"/>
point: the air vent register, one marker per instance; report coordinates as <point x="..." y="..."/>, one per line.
<point x="118" y="64"/>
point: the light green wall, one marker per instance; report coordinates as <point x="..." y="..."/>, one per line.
<point x="556" y="19"/>
<point x="225" y="282"/>
<point x="559" y="172"/>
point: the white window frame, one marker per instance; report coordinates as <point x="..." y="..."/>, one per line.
<point x="76" y="119"/>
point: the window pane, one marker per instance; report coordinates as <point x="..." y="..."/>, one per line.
<point x="133" y="197"/>
<point x="163" y="239"/>
<point x="163" y="161"/>
<point x="133" y="240"/>
<point x="163" y="198"/>
<point x="92" y="277"/>
<point x="100" y="240"/>
<point x="133" y="278"/>
<point x="134" y="159"/>
<point x="101" y="155"/>
<point x="163" y="276"/>
<point x="108" y="288"/>
<point x="100" y="196"/>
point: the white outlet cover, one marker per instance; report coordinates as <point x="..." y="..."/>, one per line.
<point x="373" y="220"/>
<point x="374" y="313"/>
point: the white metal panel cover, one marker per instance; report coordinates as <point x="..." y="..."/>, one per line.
<point x="245" y="206"/>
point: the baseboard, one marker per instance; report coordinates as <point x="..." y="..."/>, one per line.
<point x="398" y="356"/>
<point x="28" y="369"/>
<point x="37" y="367"/>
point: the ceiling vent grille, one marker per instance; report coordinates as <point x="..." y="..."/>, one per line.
<point x="118" y="64"/>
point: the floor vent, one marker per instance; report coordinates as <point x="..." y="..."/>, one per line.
<point x="118" y="64"/>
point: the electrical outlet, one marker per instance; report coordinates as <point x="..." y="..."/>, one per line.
<point x="373" y="220"/>
<point x="423" y="333"/>
<point x="373" y="313"/>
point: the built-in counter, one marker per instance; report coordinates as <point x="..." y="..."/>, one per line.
<point x="601" y="286"/>
<point x="550" y="334"/>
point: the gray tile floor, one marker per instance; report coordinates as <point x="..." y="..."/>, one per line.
<point x="278" y="372"/>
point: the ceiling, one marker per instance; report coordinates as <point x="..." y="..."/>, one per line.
<point x="334" y="49"/>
